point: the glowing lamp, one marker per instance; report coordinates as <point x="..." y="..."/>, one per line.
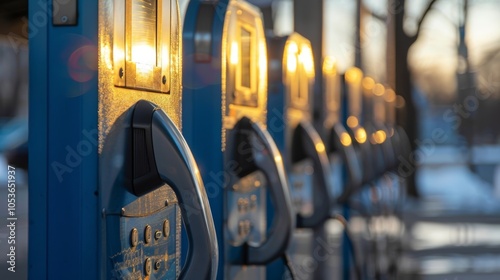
<point x="142" y="45"/>
<point x="360" y="135"/>
<point x="345" y="139"/>
<point x="352" y="121"/>
<point x="298" y="65"/>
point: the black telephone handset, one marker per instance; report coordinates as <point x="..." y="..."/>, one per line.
<point x="349" y="158"/>
<point x="263" y="156"/>
<point x="307" y="144"/>
<point x="159" y="156"/>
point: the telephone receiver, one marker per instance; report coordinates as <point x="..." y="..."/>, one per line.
<point x="264" y="157"/>
<point x="307" y="144"/>
<point x="160" y="155"/>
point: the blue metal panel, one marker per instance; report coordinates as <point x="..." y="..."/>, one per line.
<point x="38" y="129"/>
<point x="64" y="66"/>
<point x="201" y="106"/>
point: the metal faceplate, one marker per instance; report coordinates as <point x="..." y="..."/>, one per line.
<point x="115" y="100"/>
<point x="244" y="66"/>
<point x="243" y="46"/>
<point x="122" y="212"/>
<point x="298" y="73"/>
<point x="298" y="79"/>
<point x="302" y="183"/>
<point x="148" y="241"/>
<point x="246" y="222"/>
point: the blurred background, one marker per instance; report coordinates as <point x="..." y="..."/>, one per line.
<point x="443" y="59"/>
<point x="14" y="127"/>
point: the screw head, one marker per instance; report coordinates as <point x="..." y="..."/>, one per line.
<point x="134" y="237"/>
<point x="147" y="266"/>
<point x="64" y="19"/>
<point x="164" y="79"/>
<point x="157" y="265"/>
<point x="147" y="234"/>
<point x="158" y="234"/>
<point x="120" y="73"/>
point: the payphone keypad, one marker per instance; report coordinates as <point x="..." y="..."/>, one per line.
<point x="148" y="245"/>
<point x="247" y="210"/>
<point x="301" y="180"/>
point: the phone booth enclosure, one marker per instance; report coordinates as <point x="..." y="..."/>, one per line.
<point x="225" y="104"/>
<point x="139" y="58"/>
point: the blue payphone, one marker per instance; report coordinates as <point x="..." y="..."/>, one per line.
<point x="291" y="80"/>
<point x="346" y="167"/>
<point x="112" y="178"/>
<point x="352" y="91"/>
<point x="224" y="104"/>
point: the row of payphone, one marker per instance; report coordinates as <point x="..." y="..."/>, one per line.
<point x="198" y="158"/>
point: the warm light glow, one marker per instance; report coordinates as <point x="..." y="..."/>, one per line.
<point x="277" y="158"/>
<point x="320" y="147"/>
<point x="379" y="89"/>
<point x="330" y="65"/>
<point x="345" y="139"/>
<point x="144" y="55"/>
<point x="353" y="75"/>
<point x="143" y="37"/>
<point x="293" y="48"/>
<point x="234" y="56"/>
<point x="291" y="63"/>
<point x="360" y="135"/>
<point x="307" y="60"/>
<point x="291" y="57"/>
<point x="352" y="121"/>
<point x="368" y="83"/>
<point x="379" y="136"/>
<point x="390" y="95"/>
<point x="262" y="63"/>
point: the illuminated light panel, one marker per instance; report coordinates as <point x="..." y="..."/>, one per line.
<point x="368" y="83"/>
<point x="291" y="61"/>
<point x="379" y="136"/>
<point x="379" y="89"/>
<point x="320" y="147"/>
<point x="353" y="75"/>
<point x="142" y="45"/>
<point x="330" y="65"/>
<point x="144" y="56"/>
<point x="306" y="58"/>
<point x="360" y="135"/>
<point x="143" y="32"/>
<point x="262" y="57"/>
<point x="235" y="54"/>
<point x="352" y="121"/>
<point x="345" y="139"/>
<point x="390" y="95"/>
